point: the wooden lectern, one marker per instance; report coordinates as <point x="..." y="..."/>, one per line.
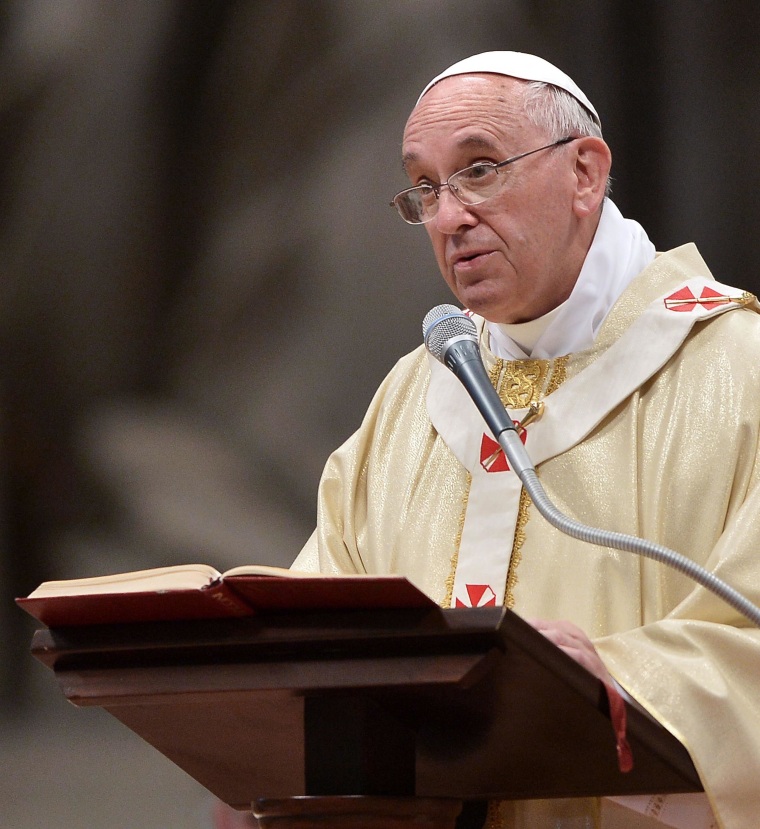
<point x="388" y="709"/>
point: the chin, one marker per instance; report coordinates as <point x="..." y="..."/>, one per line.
<point x="486" y="300"/>
<point x="490" y="311"/>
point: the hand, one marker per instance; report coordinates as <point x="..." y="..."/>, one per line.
<point x="225" y="817"/>
<point x="574" y="642"/>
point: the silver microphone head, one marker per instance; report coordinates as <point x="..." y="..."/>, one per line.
<point x="442" y="324"/>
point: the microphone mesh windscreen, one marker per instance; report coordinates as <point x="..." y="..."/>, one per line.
<point x="441" y="324"/>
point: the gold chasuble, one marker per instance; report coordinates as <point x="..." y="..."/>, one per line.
<point x="653" y="432"/>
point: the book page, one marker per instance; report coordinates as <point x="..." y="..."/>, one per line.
<point x="270" y="570"/>
<point x="176" y="577"/>
<point x="289" y="573"/>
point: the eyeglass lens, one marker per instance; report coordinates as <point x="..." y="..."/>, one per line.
<point x="471" y="186"/>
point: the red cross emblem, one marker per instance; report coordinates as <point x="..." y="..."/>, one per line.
<point x="478" y="595"/>
<point x="492" y="457"/>
<point x="684" y="300"/>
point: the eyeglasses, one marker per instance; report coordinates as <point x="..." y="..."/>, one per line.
<point x="473" y="185"/>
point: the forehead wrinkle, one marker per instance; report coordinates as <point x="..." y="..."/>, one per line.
<point x="479" y="112"/>
<point x="467" y="142"/>
<point x="476" y="142"/>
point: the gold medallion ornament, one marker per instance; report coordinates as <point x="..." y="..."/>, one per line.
<point x="520" y="383"/>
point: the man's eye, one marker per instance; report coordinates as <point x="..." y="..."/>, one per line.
<point x="478" y="171"/>
<point x="426" y="194"/>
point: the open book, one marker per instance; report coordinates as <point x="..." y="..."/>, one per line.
<point x="198" y="591"/>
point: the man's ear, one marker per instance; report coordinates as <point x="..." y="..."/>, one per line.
<point x="593" y="161"/>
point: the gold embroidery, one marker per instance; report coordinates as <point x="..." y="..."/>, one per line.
<point x="495" y="372"/>
<point x="523" y="514"/>
<point x="746" y="298"/>
<point x="520" y="382"/>
<point x="559" y="374"/>
<point x="455" y="557"/>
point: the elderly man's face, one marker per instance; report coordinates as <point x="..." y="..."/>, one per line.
<point x="516" y="256"/>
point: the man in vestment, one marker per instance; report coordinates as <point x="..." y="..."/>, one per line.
<point x="649" y="374"/>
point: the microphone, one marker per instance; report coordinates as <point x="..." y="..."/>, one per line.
<point x="451" y="337"/>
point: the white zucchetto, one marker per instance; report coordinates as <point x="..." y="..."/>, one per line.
<point x="516" y="65"/>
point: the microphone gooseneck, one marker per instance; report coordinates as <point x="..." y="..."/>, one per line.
<point x="451" y="337"/>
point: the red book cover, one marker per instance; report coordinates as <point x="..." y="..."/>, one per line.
<point x="267" y="593"/>
<point x="200" y="592"/>
<point x="213" y="602"/>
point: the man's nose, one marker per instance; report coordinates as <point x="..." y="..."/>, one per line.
<point x="452" y="214"/>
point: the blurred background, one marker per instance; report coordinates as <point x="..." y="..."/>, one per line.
<point x="202" y="284"/>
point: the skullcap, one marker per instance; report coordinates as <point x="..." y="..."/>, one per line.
<point x="516" y="65"/>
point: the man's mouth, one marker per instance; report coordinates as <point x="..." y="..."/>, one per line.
<point x="462" y="260"/>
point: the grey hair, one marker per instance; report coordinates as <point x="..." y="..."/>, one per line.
<point x="559" y="113"/>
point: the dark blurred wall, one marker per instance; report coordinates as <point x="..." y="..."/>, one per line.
<point x="202" y="283"/>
